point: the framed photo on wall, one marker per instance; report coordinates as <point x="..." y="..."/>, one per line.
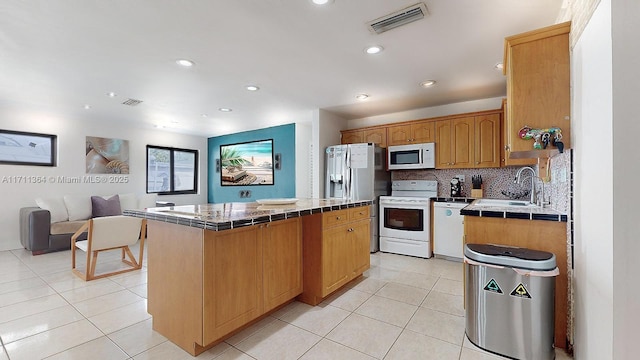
<point x="248" y="163"/>
<point x="26" y="148"/>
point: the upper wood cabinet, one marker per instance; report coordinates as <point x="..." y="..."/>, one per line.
<point x="504" y="151"/>
<point x="416" y="132"/>
<point x="536" y="64"/>
<point x="351" y="136"/>
<point x="455" y="143"/>
<point x="487" y="134"/>
<point x="376" y="136"/>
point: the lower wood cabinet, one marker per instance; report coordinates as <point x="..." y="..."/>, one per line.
<point x="335" y="251"/>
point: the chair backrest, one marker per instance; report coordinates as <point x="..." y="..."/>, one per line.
<point x="114" y="231"/>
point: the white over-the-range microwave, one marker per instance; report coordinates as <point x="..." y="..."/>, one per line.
<point x="414" y="156"/>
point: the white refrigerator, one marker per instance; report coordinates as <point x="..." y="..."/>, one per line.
<point x="358" y="172"/>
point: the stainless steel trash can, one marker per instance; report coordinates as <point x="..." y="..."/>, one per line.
<point x="509" y="300"/>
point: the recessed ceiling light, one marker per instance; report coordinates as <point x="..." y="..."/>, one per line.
<point x="225" y="109"/>
<point x="111" y="94"/>
<point x="499" y="66"/>
<point x="87" y="106"/>
<point x="427" y="83"/>
<point x="204" y="115"/>
<point x="252" y="88"/>
<point x="362" y="96"/>
<point x="322" y="2"/>
<point x="374" y="49"/>
<point x="185" y="62"/>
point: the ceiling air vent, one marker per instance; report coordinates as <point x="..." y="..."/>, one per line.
<point x="131" y="102"/>
<point x="398" y="18"/>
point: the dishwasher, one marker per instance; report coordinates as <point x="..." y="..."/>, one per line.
<point x="448" y="230"/>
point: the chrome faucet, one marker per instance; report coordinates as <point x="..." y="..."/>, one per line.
<point x="518" y="180"/>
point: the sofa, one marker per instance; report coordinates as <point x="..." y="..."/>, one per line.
<point x="48" y="226"/>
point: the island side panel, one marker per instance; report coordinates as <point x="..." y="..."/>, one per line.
<point x="531" y="234"/>
<point x="174" y="271"/>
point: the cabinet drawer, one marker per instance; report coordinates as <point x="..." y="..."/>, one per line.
<point x="335" y="218"/>
<point x="359" y="213"/>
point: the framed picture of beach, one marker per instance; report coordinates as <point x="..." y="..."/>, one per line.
<point x="247" y="163"/>
<point x="26" y="148"/>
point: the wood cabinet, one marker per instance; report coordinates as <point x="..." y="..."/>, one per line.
<point x="351" y="136"/>
<point x="487" y="135"/>
<point x="414" y="133"/>
<point x="377" y="135"/>
<point x="504" y="152"/>
<point x="532" y="234"/>
<point x="204" y="284"/>
<point x="455" y="143"/>
<point x="536" y="64"/>
<point x="335" y="251"/>
<point x="282" y="264"/>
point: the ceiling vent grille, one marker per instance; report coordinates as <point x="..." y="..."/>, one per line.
<point x="398" y="18"/>
<point x="131" y="102"/>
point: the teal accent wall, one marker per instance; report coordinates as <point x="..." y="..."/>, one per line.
<point x="284" y="143"/>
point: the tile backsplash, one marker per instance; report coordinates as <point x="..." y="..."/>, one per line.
<point x="497" y="180"/>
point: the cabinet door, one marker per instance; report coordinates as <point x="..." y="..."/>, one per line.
<point x="232" y="271"/>
<point x="282" y="265"/>
<point x="376" y="136"/>
<point x="505" y="152"/>
<point x="359" y="237"/>
<point x="336" y="268"/>
<point x="538" y="83"/>
<point x="423" y="132"/>
<point x="487" y="141"/>
<point x="444" y="144"/>
<point x="352" y="136"/>
<point x="462" y="135"/>
<point x="399" y="135"/>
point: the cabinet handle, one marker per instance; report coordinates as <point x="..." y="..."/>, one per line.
<point x="477" y="162"/>
<point x="350" y="230"/>
<point x="506" y="147"/>
<point x="337" y="217"/>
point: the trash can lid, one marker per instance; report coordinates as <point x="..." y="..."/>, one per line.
<point x="511" y="256"/>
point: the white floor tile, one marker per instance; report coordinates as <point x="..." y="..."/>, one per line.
<point x="418" y="280"/>
<point x="368" y="285"/>
<point x="53" y="341"/>
<point x="30" y="307"/>
<point x="439" y="325"/>
<point x="21" y="285"/>
<point x="390" y="311"/>
<point x="347" y="299"/>
<point x="407" y="294"/>
<point x="372" y="337"/>
<point x="108" y="302"/>
<point x="447" y="286"/>
<point x="329" y="350"/>
<point x="91" y="291"/>
<point x="165" y="351"/>
<point x="239" y="337"/>
<point x="122" y="317"/>
<point x="411" y="345"/>
<point x="34" y="324"/>
<point x="450" y="304"/>
<point x="316" y="319"/>
<point x="137" y="338"/>
<point x="18" y="296"/>
<point x="140" y="290"/>
<point x="278" y="341"/>
<point x="17" y="276"/>
<point x="130" y="279"/>
<point x="100" y="348"/>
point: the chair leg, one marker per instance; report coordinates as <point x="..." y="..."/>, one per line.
<point x="92" y="273"/>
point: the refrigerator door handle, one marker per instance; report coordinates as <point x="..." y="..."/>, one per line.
<point x="347" y="173"/>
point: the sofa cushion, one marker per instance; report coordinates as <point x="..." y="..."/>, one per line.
<point x="105" y="207"/>
<point x="128" y="201"/>
<point x="56" y="207"/>
<point x="66" y="227"/>
<point x="78" y="207"/>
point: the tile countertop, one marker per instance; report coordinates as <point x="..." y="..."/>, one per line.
<point x="224" y="216"/>
<point x="508" y="212"/>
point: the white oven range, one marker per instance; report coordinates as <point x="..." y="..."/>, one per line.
<point x="404" y="218"/>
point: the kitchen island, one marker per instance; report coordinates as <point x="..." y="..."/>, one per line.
<point x="215" y="268"/>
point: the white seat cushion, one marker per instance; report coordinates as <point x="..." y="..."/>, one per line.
<point x="78" y="207"/>
<point x="56" y="207"/>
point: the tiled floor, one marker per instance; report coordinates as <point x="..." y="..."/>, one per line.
<point x="402" y="308"/>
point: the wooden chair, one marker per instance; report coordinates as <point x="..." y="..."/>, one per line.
<point x="108" y="233"/>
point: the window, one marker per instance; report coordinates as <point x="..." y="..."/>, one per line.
<point x="171" y="170"/>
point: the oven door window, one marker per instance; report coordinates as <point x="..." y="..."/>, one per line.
<point x="405" y="157"/>
<point x="404" y="219"/>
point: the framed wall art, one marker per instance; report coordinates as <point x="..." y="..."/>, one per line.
<point x="27" y="148"/>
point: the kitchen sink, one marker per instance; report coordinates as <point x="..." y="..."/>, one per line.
<point x="503" y="203"/>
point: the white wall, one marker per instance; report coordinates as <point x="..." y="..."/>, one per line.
<point x="304" y="161"/>
<point x="626" y="165"/>
<point x="326" y="128"/>
<point x="71" y="163"/>
<point x="429" y="112"/>
<point x="592" y="127"/>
